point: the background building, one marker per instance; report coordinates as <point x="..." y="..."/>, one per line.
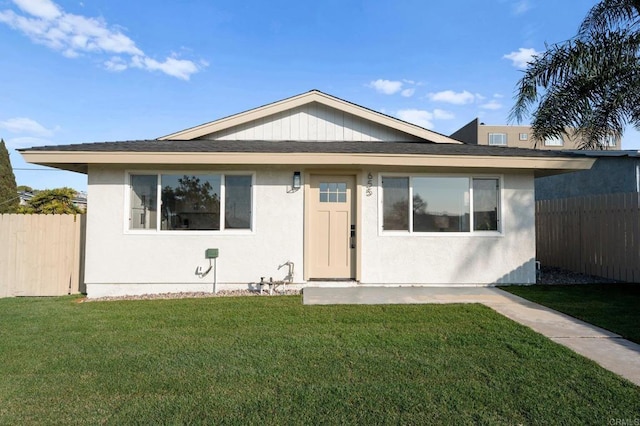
<point x="478" y="133"/>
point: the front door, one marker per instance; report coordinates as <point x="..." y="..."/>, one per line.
<point x="331" y="227"/>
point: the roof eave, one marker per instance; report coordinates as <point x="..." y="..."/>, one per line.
<point x="78" y="161"/>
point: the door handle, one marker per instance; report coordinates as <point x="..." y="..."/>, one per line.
<point x="353" y="236"/>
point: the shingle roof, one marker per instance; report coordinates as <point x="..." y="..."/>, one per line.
<point x="340" y="147"/>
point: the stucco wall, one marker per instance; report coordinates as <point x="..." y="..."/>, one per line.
<point x="609" y="175"/>
<point x="455" y="259"/>
<point x="167" y="262"/>
<point x="121" y="262"/>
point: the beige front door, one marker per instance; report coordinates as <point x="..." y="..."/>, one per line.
<point x="331" y="227"/>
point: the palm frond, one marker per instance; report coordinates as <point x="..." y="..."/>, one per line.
<point x="610" y="14"/>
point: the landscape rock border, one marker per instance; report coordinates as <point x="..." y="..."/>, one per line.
<point x="548" y="275"/>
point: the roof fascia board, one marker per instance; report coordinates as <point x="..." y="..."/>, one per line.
<point x="303" y="99"/>
<point x="324" y="159"/>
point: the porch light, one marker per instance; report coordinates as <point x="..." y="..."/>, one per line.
<point x="296" y="181"/>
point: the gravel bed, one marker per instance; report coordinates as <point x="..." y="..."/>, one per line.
<point x="194" y="295"/>
<point x="551" y="275"/>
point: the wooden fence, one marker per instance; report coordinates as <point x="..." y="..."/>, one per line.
<point x="41" y="255"/>
<point x="597" y="235"/>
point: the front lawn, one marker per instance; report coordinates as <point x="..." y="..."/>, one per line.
<point x="272" y="360"/>
<point x="615" y="306"/>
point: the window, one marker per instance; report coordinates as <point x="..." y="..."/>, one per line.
<point x="395" y="202"/>
<point x="440" y="204"/>
<point x="143" y="196"/>
<point x="610" y="141"/>
<point x="498" y="139"/>
<point x="558" y="141"/>
<point x="485" y="204"/>
<point x="190" y="202"/>
<point x="237" y="202"/>
<point x="333" y="192"/>
<point x="523" y="136"/>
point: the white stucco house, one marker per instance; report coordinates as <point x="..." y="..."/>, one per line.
<point x="344" y="193"/>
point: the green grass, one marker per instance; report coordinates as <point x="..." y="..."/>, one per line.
<point x="615" y="307"/>
<point x="262" y="360"/>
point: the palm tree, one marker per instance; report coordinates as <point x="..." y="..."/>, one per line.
<point x="590" y="83"/>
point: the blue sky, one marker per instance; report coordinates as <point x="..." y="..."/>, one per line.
<point x="105" y="70"/>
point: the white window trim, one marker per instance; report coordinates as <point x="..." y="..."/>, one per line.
<point x="470" y="233"/>
<point x="158" y="231"/>
<point x="523" y="136"/>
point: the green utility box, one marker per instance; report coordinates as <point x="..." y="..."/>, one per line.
<point x="211" y="253"/>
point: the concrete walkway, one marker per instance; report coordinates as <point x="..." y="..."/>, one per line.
<point x="604" y="347"/>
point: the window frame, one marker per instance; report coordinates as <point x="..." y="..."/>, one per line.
<point x="559" y="141"/>
<point x="523" y="136"/>
<point x="471" y="233"/>
<point x="610" y="142"/>
<point x="158" y="231"/>
<point x="504" y="135"/>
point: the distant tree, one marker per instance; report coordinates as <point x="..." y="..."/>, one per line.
<point x="9" y="200"/>
<point x="52" y="201"/>
<point x="24" y="188"/>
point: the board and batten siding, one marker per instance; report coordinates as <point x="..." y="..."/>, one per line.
<point x="312" y="122"/>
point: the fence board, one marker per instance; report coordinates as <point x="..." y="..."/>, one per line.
<point x="41" y="255"/>
<point x="596" y="235"/>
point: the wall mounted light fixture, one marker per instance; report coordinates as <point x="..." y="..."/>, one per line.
<point x="297" y="182"/>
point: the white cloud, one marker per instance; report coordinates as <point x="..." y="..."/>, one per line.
<point x="492" y="104"/>
<point x="440" y="114"/>
<point x="407" y="93"/>
<point x="423" y="118"/>
<point x="26" y="125"/>
<point x="520" y="58"/>
<point x="44" y="22"/>
<point x="416" y="116"/>
<point x="521" y="7"/>
<point x="451" y="97"/>
<point x="387" y="87"/>
<point x="391" y="87"/>
<point x="116" y="64"/>
<point x="179" y="68"/>
<point x="40" y="8"/>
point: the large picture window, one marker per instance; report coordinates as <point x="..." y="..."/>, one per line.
<point x="196" y="202"/>
<point x="440" y="204"/>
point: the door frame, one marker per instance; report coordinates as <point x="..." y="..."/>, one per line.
<point x="355" y="215"/>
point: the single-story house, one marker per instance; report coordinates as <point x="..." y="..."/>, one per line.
<point x="336" y="191"/>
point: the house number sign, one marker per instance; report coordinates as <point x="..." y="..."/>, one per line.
<point x="369" y="190"/>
